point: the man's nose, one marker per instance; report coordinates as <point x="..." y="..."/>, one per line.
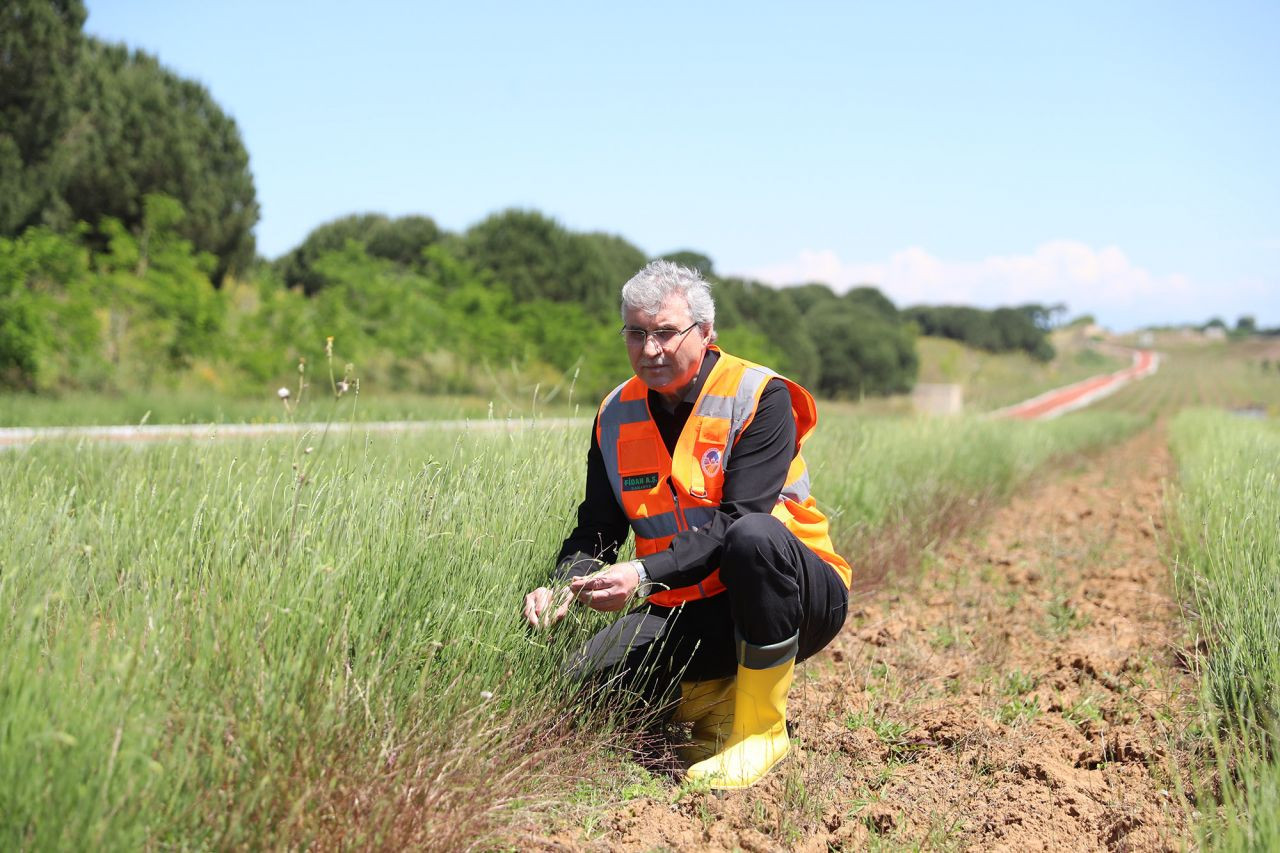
<point x="651" y="345"/>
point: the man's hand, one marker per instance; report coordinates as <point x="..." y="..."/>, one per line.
<point x="608" y="590"/>
<point x="538" y="602"/>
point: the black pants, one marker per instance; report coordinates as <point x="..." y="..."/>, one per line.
<point x="775" y="589"/>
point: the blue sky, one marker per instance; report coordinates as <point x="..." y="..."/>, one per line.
<point x="1118" y="157"/>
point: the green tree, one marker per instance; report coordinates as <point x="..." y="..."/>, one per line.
<point x="269" y="326"/>
<point x="619" y="260"/>
<point x="806" y="296"/>
<point x="862" y="351"/>
<point x="538" y="258"/>
<point x="40" y="44"/>
<point x="871" y="297"/>
<point x="164" y="310"/>
<point x="762" y="323"/>
<point x="1044" y="317"/>
<point x="1015" y="329"/>
<point x="144" y="130"/>
<point x="692" y="260"/>
<point x="140" y="311"/>
<point x="87" y="130"/>
<point x="49" y="334"/>
<point x="401" y="240"/>
<point x="298" y="266"/>
<point x="1001" y="330"/>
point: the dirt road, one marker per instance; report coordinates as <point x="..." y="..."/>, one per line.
<point x="1021" y="693"/>
<point x="1060" y="401"/>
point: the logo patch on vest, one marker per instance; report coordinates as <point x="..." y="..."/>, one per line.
<point x="639" y="482"/>
<point x="711" y="461"/>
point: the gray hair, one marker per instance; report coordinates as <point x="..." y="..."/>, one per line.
<point x="649" y="288"/>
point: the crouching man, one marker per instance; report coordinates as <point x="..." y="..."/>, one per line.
<point x="698" y="455"/>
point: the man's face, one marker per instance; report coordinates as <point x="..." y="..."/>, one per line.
<point x="666" y="369"/>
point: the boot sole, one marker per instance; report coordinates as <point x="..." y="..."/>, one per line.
<point x="715" y="785"/>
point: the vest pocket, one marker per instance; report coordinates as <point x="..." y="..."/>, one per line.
<point x="637" y="456"/>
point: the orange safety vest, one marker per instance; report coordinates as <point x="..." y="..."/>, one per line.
<point x="663" y="494"/>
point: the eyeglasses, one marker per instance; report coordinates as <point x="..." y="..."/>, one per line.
<point x="665" y="337"/>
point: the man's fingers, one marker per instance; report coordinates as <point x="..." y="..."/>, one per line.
<point x="609" y="603"/>
<point x="607" y="591"/>
<point x="534" y="603"/>
<point x="586" y="590"/>
<point x="604" y="600"/>
<point x="562" y="612"/>
<point x="595" y="596"/>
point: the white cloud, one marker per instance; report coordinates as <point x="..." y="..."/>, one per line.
<point x="1103" y="282"/>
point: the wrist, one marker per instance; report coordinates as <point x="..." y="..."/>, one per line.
<point x="642" y="578"/>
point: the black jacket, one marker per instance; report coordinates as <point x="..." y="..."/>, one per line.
<point x="754" y="477"/>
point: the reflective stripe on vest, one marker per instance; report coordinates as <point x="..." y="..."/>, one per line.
<point x="662" y="496"/>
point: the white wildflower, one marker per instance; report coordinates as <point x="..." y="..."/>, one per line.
<point x="283" y="393"/>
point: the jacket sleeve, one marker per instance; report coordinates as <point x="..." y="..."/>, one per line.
<point x="602" y="525"/>
<point x="753" y="479"/>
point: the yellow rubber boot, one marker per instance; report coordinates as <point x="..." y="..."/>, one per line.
<point x="709" y="706"/>
<point x="759" y="737"/>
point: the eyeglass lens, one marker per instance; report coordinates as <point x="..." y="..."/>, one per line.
<point x="638" y="337"/>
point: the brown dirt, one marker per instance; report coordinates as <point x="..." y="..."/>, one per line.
<point x="1020" y="693"/>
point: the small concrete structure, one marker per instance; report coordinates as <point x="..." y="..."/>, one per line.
<point x="938" y="398"/>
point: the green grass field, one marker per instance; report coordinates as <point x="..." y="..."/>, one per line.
<point x="1224" y="375"/>
<point x="1227" y="568"/>
<point x="318" y="405"/>
<point x="316" y="641"/>
<point x="246" y="644"/>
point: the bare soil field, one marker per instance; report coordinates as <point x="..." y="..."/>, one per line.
<point x="1021" y="691"/>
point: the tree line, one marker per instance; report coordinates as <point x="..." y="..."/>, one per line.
<point x="418" y="309"/>
<point x="1024" y="328"/>
<point x="127" y="261"/>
